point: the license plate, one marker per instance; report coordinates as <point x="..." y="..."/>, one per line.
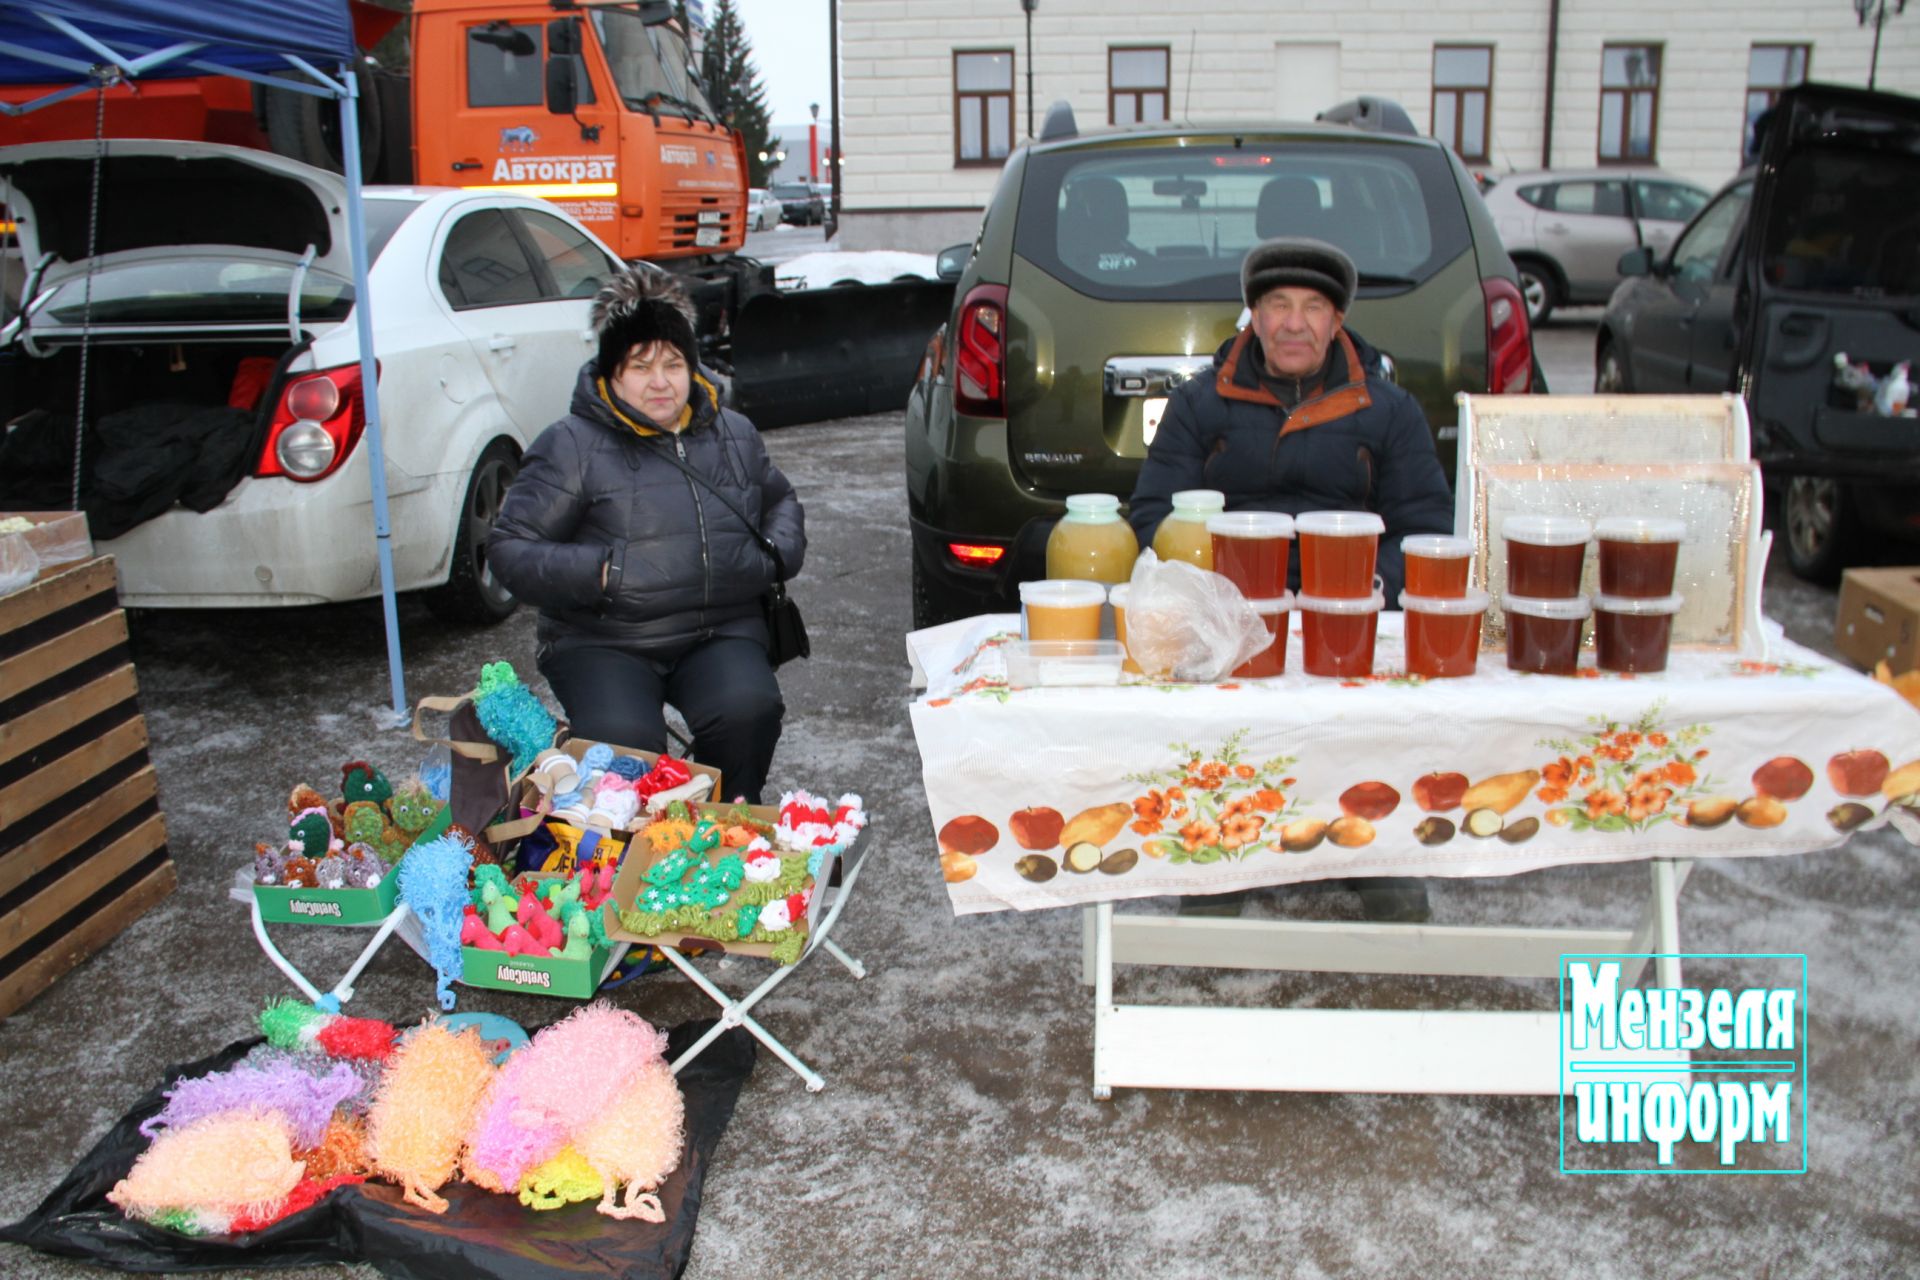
<point x="1152" y="409"/>
<point x="707" y="236"/>
<point x="710" y="217"/>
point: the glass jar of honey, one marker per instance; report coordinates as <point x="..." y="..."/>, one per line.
<point x="1183" y="534"/>
<point x="1092" y="543"/>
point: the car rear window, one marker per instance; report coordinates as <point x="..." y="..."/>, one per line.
<point x="1844" y="222"/>
<point x="1173" y="222"/>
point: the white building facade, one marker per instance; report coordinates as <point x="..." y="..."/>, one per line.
<point x="933" y="95"/>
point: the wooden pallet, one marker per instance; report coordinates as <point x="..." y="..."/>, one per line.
<point x="83" y="845"/>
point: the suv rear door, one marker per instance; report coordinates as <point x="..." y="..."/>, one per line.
<point x="1126" y="277"/>
<point x="1833" y="262"/>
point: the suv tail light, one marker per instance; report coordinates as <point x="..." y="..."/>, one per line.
<point x="980" y="353"/>
<point x="315" y="426"/>
<point x="1509" y="339"/>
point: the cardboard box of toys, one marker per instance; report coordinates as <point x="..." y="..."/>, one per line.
<point x="1879" y="618"/>
<point x="575" y="843"/>
<point x="666" y="865"/>
<point x="571" y="977"/>
<point x="282" y="905"/>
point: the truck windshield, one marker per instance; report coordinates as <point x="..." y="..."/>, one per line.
<point x="651" y="65"/>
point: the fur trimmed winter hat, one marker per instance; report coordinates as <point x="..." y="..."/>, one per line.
<point x="642" y="305"/>
<point x="1302" y="262"/>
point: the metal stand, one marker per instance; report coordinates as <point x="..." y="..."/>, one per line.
<point x="1349" y="1050"/>
<point x="735" y="1013"/>
<point x="343" y="989"/>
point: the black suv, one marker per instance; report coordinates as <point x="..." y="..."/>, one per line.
<point x="1812" y="253"/>
<point x="1107" y="270"/>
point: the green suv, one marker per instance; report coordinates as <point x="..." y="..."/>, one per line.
<point x="1107" y="271"/>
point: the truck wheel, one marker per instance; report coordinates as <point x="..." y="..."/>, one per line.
<point x="305" y="128"/>
<point x="472" y="593"/>
<point x="1822" y="531"/>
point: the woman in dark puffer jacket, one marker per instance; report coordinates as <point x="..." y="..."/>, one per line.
<point x="649" y="588"/>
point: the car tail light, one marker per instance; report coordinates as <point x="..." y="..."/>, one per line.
<point x="315" y="426"/>
<point x="976" y="555"/>
<point x="1509" y="339"/>
<point x="980" y="353"/>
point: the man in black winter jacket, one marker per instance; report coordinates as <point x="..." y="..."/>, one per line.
<point x="1293" y="420"/>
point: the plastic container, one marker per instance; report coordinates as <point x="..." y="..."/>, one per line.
<point x="1061" y="609"/>
<point x="1543" y="636"/>
<point x="1545" y="555"/>
<point x="1338" y="550"/>
<point x="1337" y="634"/>
<point x="1631" y="633"/>
<point x="1437" y="565"/>
<point x="1117" y="597"/>
<point x="1033" y="663"/>
<point x="1443" y="633"/>
<point x="1091" y="542"/>
<point x="1183" y="534"/>
<point x="1251" y="550"/>
<point x="1272" y="660"/>
<point x="1637" y="555"/>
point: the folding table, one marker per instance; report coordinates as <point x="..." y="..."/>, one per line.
<point x="341" y="991"/>
<point x="737" y="1013"/>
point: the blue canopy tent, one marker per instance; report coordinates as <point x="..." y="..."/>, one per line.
<point x="96" y="43"/>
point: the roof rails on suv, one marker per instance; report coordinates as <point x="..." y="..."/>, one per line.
<point x="1377" y="115"/>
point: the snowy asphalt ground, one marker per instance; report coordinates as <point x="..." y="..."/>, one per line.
<point x="957" y="1134"/>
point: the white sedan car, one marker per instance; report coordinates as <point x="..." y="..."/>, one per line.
<point x="245" y="299"/>
<point x="763" y="211"/>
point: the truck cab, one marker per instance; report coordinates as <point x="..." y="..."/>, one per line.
<point x="594" y="107"/>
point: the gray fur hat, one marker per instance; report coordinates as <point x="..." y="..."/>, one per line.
<point x="639" y="306"/>
<point x="1300" y="261"/>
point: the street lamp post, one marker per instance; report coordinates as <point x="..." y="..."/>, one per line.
<point x="1877" y="11"/>
<point x="1030" y="6"/>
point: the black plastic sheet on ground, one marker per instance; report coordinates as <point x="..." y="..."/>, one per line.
<point x="481" y="1234"/>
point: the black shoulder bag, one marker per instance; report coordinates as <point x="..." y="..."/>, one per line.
<point x="786" y="633"/>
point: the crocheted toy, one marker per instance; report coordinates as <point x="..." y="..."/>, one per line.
<point x="341" y="1151"/>
<point x="511" y="1133"/>
<point x="808" y="824"/>
<point x="361" y="781"/>
<point x="365" y="870"/>
<point x="636" y="1140"/>
<point x="302" y="798"/>
<point x="425" y="1106"/>
<point x="433" y="884"/>
<point x="512" y="715"/>
<point x="269" y="864"/>
<point x="304" y="1098"/>
<point x="198" y="1178"/>
<point x="628" y="767"/>
<point x="554" y="772"/>
<point x="330" y="872"/>
<point x="413" y="810"/>
<point x="566" y="1179"/>
<point x="310" y="834"/>
<point x="299" y="873"/>
<point x="288" y="1024"/>
<point x="367" y="823"/>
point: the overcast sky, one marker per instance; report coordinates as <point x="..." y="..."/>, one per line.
<point x="789" y="39"/>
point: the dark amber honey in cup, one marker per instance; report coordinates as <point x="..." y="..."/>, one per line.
<point x="1543" y="636"/>
<point x="1337" y="635"/>
<point x="1437" y="565"/>
<point x="1443" y="634"/>
<point x="1251" y="550"/>
<point x="1272" y="660"/>
<point x="1545" y="555"/>
<point x="1638" y="555"/>
<point x="1632" y="633"/>
<point x="1338" y="550"/>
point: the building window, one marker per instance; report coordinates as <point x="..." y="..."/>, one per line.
<point x="1137" y="86"/>
<point x="1771" y="68"/>
<point x="1462" y="94"/>
<point x="1629" y="102"/>
<point x="982" y="106"/>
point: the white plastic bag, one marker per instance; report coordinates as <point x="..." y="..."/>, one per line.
<point x="1186" y="624"/>
<point x="19" y="565"/>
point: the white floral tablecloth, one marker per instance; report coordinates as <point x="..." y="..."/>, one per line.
<point x="1061" y="796"/>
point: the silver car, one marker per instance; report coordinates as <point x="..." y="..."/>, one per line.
<point x="1566" y="228"/>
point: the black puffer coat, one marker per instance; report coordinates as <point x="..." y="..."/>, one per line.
<point x="680" y="567"/>
<point x="1359" y="443"/>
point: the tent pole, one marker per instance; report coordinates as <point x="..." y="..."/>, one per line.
<point x="370" y="383"/>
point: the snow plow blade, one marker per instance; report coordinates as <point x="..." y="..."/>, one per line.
<point x="833" y="353"/>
